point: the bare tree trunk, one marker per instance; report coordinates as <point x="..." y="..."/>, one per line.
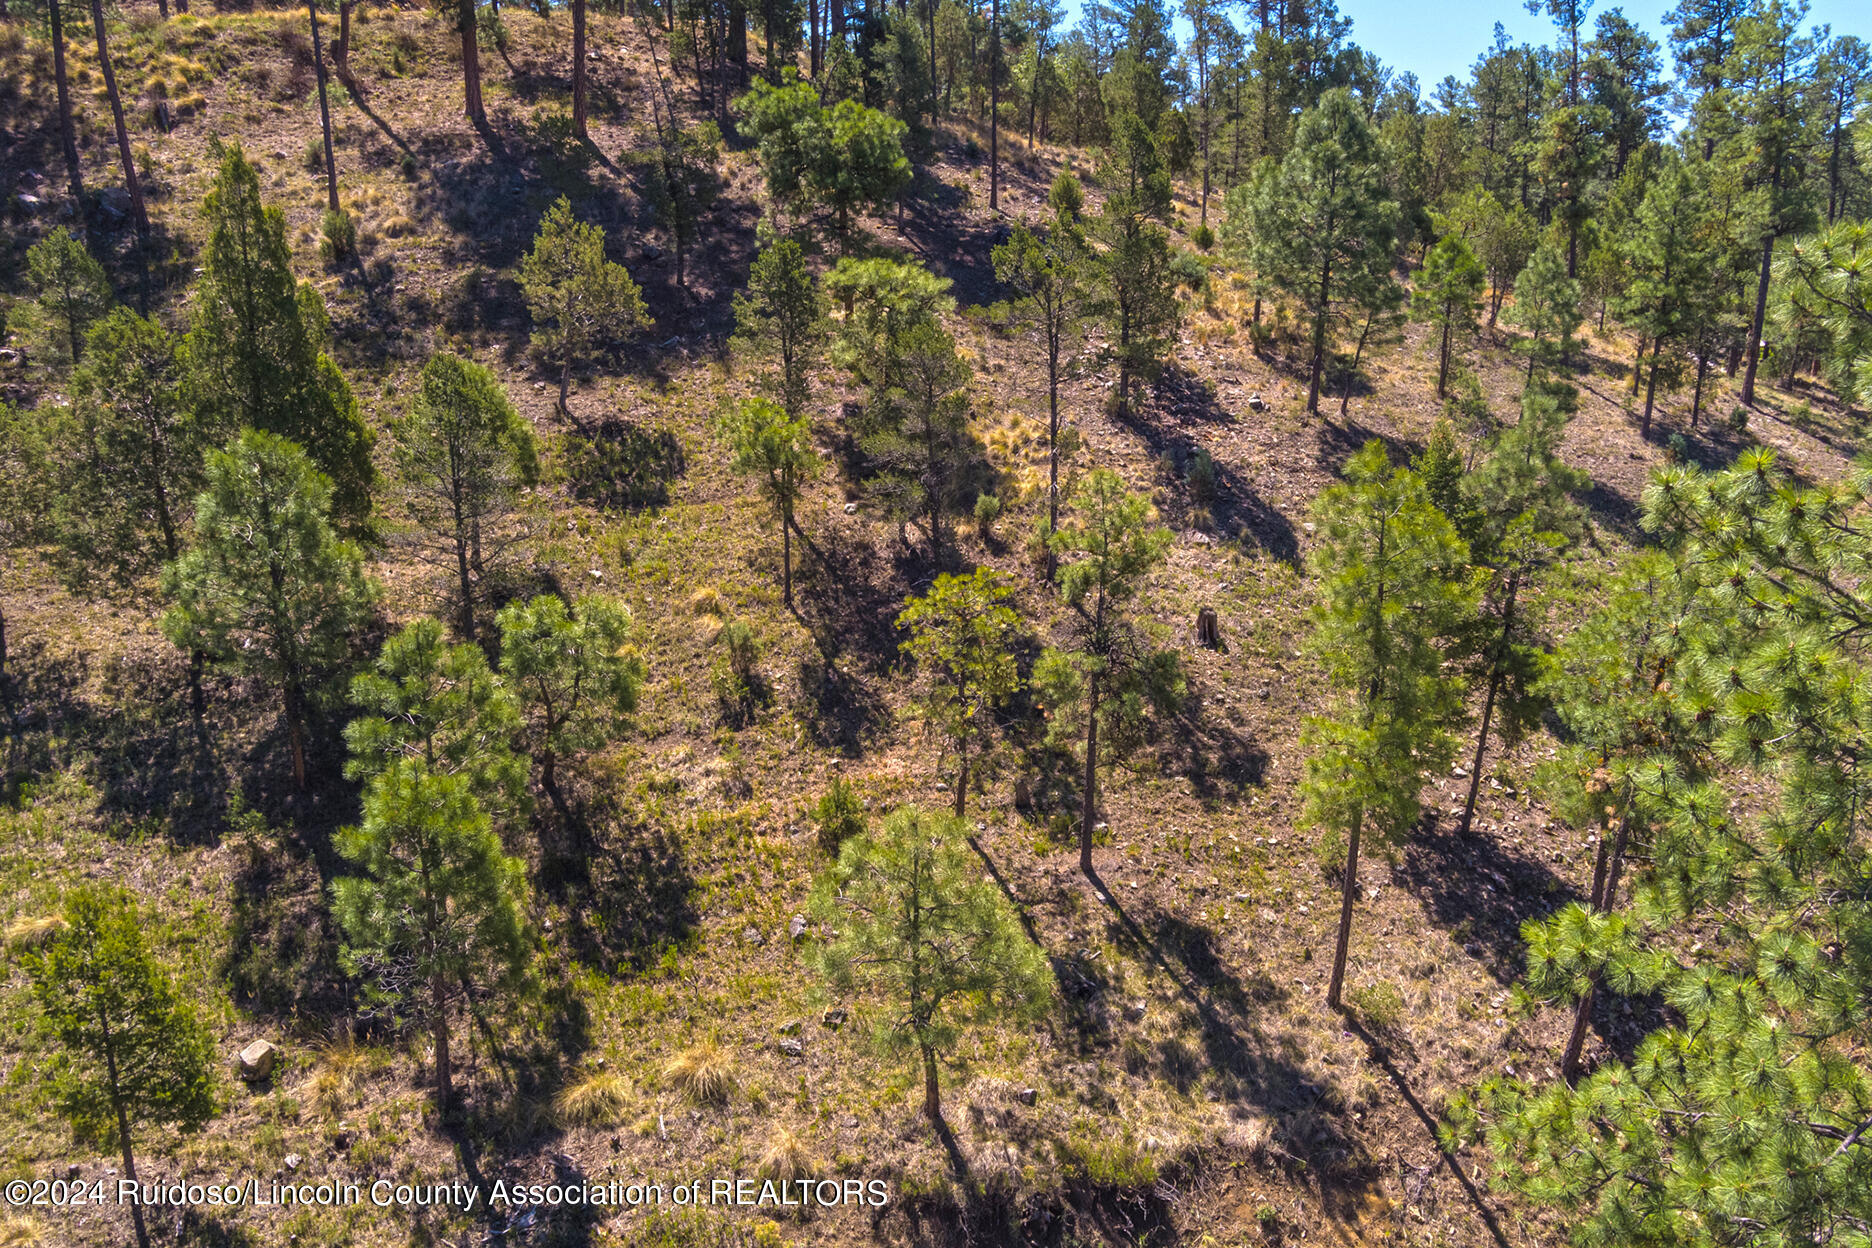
<point x="578" y="70"/>
<point x="132" y="183"/>
<point x="471" y="63"/>
<point x="331" y="160"/>
<point x="295" y="734"/>
<point x="1755" y="326"/>
<point x="1089" y="801"/>
<point x="932" y="1092"/>
<point x="994" y="105"/>
<point x="1348" y="893"/>
<point x="341" y="50"/>
<point x="1488" y="704"/>
<point x="1696" y="394"/>
<point x="439" y="1031"/>
<point x="67" y="138"/>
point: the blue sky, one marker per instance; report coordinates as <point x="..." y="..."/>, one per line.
<point x="1433" y="39"/>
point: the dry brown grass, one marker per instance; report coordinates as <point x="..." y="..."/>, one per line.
<point x="702" y="1072"/>
<point x="32" y="931"/>
<point x="19" y="1232"/>
<point x="788" y="1157"/>
<point x="600" y="1099"/>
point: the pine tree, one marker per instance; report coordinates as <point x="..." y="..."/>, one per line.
<point x="1670" y="264"/>
<point x="576" y="679"/>
<point x="23" y="478"/>
<point x="1137" y="290"/>
<point x="1829" y="277"/>
<point x="466" y="29"/>
<point x="439" y="705"/>
<point x="782" y="313"/>
<point x="1524" y="520"/>
<point x="934" y="943"/>
<point x="267" y="588"/>
<point x="583" y="305"/>
<point x="436" y="912"/>
<point x="777" y="449"/>
<point x="1105" y="683"/>
<point x="1049" y="274"/>
<point x="1320" y="217"/>
<point x="921" y="449"/>
<point x="885" y="301"/>
<point x="962" y="635"/>
<point x="1448" y="296"/>
<point x="1547" y="306"/>
<point x="70" y="293"/>
<point x="1395" y="581"/>
<point x="684" y="181"/>
<point x="465" y="453"/>
<point x="132" y="1051"/>
<point x="139" y="214"/>
<point x="256" y="348"/>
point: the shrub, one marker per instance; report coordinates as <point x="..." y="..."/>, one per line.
<point x="315" y="154"/>
<point x="987" y="511"/>
<point x="1202" y="478"/>
<point x="735" y="678"/>
<point x="839" y="816"/>
<point x="600" y="1099"/>
<point x="1738" y="419"/>
<point x="703" y="1073"/>
<point x="1331" y="854"/>
<point x="338" y="236"/>
<point x="408" y="165"/>
<point x="1204" y="238"/>
<point x="1677" y="448"/>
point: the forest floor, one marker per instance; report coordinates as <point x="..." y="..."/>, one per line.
<point x="1191" y="1088"/>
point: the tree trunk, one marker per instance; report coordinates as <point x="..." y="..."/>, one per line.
<point x="1442" y="375"/>
<point x="1576" y="1039"/>
<point x="1604" y="898"/>
<point x="786" y="556"/>
<point x="138" y="213"/>
<point x="932" y="1092"/>
<point x="471" y="63"/>
<point x="1637" y="368"/>
<point x="1488" y="703"/>
<point x="1053" y="428"/>
<point x="123" y="1132"/>
<point x="331" y="159"/>
<point x="1319" y="333"/>
<point x="67" y="138"/>
<point x="467" y="583"/>
<point x="994" y="105"/>
<point x="439" y="1031"/>
<point x="812" y="39"/>
<point x="295" y="733"/>
<point x="929" y="7"/>
<point x="1696" y="394"/>
<point x="737" y="37"/>
<point x="1347" y="894"/>
<point x="1755" y="326"/>
<point x="578" y="71"/>
<point x="341" y="50"/>
<point x="1650" y="394"/>
<point x="1089" y="801"/>
<point x="961" y="793"/>
<point x="3" y="648"/>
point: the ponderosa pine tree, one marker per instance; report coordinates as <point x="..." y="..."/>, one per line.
<point x="256" y="348"/>
<point x="132" y="1051"/>
<point x="139" y="214"/>
<point x="440" y="705"/>
<point x="934" y="943"/>
<point x="885" y="301"/>
<point x="582" y="304"/>
<point x="1101" y="686"/>
<point x="921" y="450"/>
<point x="1396" y="582"/>
<point x="1829" y="277"/>
<point x="962" y="635"/>
<point x="575" y="676"/>
<point x="267" y="588"/>
<point x="1320" y="216"/>
<point x="437" y="910"/>
<point x="777" y="450"/>
<point x="782" y="314"/>
<point x="1448" y="295"/>
<point x="1050" y="274"/>
<point x="1524" y="520"/>
<point x="70" y="293"/>
<point x="1670" y="266"/>
<point x="1503" y="236"/>
<point x="1137" y="290"/>
<point x="1746" y="1118"/>
<point x="464" y="453"/>
<point x="1547" y="306"/>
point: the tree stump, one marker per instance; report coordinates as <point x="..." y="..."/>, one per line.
<point x="1208" y="632"/>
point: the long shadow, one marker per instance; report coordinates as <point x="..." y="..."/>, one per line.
<point x="848" y="595"/>
<point x="622" y="466"/>
<point x="1480" y="884"/>
<point x="1614" y="510"/>
<point x="1181" y="399"/>
<point x="1381" y="1055"/>
<point x="1239" y="1058"/>
<point x="840" y="711"/>
<point x="629" y="899"/>
<point x="1219" y="760"/>
<point x="1339" y="441"/>
<point x="946" y="240"/>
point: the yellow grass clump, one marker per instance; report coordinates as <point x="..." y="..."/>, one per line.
<point x="600" y="1099"/>
<point x="704" y="1073"/>
<point x="31" y="931"/>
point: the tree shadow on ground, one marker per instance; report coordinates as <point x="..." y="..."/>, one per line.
<point x="839" y="711"/>
<point x="281" y="958"/>
<point x="628" y="896"/>
<point x="1170" y="422"/>
<point x="1338" y="441"/>
<point x="621" y="466"/>
<point x="1612" y="509"/>
<point x="1219" y="760"/>
<point x="1483" y="887"/>
<point x="848" y="593"/>
<point x="949" y="241"/>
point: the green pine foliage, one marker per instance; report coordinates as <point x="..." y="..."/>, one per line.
<point x="70" y="292"/>
<point x="1448" y="295"/>
<point x="1104" y="685"/>
<point x="934" y="947"/>
<point x="576" y="678"/>
<point x="781" y="315"/>
<point x="582" y="304"/>
<point x="962" y="636"/>
<point x="465" y="454"/>
<point x="257" y="345"/>
<point x="267" y="588"/>
<point x="436" y="909"/>
<point x="777" y="450"/>
<point x="1396" y="584"/>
